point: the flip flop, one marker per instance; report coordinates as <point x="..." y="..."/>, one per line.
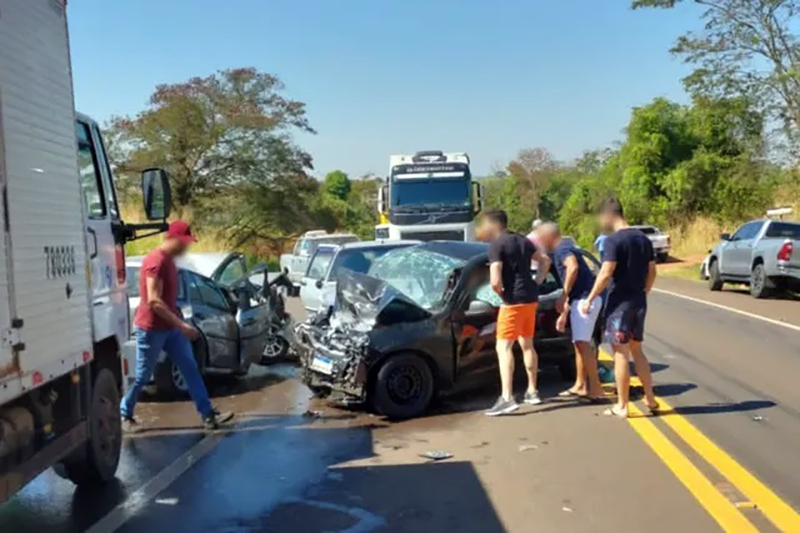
<point x="568" y="394"/>
<point x="655" y="409"/>
<point x="613" y="411"/>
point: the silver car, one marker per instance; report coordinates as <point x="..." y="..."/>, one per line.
<point x="762" y="253"/>
<point x="215" y="296"/>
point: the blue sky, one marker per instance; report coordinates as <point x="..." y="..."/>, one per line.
<point x="391" y="76"/>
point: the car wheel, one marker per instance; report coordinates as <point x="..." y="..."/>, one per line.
<point x="276" y="348"/>
<point x="96" y="463"/>
<point x="760" y="285"/>
<point x="403" y="387"/>
<point x="715" y="282"/>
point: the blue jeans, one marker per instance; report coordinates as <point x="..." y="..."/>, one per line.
<point x="149" y="344"/>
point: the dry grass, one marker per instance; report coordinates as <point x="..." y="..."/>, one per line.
<point x="694" y="238"/>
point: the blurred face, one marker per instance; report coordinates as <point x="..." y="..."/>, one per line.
<point x="548" y="239"/>
<point x="606" y="221"/>
<point x="490" y="229"/>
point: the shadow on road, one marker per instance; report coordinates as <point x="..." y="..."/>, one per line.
<point x="718" y="408"/>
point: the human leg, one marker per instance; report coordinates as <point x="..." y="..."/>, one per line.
<point x="505" y="360"/>
<point x="148" y="346"/>
<point x="588" y="355"/>
<point x="642" y="366"/>
<point x="179" y="350"/>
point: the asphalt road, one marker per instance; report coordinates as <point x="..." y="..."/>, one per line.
<point x="723" y="458"/>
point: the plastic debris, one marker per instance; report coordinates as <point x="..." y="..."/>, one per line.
<point x="758" y="418"/>
<point x="437" y="455"/>
<point x="167" y="501"/>
<point x="566" y="509"/>
<point x="527" y="447"/>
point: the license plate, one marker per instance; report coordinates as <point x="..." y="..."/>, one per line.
<point x="323" y="365"/>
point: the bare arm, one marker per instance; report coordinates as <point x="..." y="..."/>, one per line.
<point x="496" y="277"/>
<point x="156" y="303"/>
<point x="651" y="277"/>
<point x="603" y="278"/>
<point x="571" y="274"/>
<point x="544" y="263"/>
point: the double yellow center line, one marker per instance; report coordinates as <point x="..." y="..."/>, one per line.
<point x="725" y="512"/>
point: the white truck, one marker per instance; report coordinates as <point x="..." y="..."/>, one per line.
<point x="294" y="264"/>
<point x="661" y="243"/>
<point x="429" y="196"/>
<point x="63" y="300"/>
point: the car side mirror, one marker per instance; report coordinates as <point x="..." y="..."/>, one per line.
<point x="479" y="308"/>
<point x="725" y="236"/>
<point x="156" y="194"/>
<point x="318" y="284"/>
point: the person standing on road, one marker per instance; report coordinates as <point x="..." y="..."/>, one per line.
<point x="577" y="280"/>
<point x="510" y="258"/>
<point x="159" y="327"/>
<point x="629" y="266"/>
<point x="599" y="243"/>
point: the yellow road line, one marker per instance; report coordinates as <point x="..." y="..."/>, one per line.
<point x="781" y="514"/>
<point x="718" y="506"/>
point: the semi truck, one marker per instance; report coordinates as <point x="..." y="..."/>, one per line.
<point x="63" y="301"/>
<point x="429" y="196"/>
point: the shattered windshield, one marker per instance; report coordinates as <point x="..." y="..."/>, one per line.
<point x="420" y="274"/>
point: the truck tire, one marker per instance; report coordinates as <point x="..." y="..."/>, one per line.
<point x="170" y="384"/>
<point x="403" y="387"/>
<point x="760" y="284"/>
<point x="715" y="282"/>
<point x="97" y="462"/>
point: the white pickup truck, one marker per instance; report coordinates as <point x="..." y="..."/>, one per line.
<point x="63" y="297"/>
<point x="294" y="265"/>
<point x="660" y="241"/>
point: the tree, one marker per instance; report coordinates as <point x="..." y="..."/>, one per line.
<point x="337" y="185"/>
<point x="740" y="38"/>
<point x="214" y="135"/>
<point x="532" y="169"/>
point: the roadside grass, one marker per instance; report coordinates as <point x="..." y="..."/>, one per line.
<point x="694" y="238"/>
<point x="689" y="271"/>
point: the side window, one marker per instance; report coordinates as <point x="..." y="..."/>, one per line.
<point x="550" y="283"/>
<point x="182" y="281"/>
<point x="89" y="173"/>
<point x="211" y="295"/>
<point x="193" y="285"/>
<point x="755" y="227"/>
<point x="485" y="293"/>
<point x="739" y="235"/>
<point x="108" y="183"/>
<point x="233" y="272"/>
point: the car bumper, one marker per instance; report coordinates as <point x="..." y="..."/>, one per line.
<point x="345" y="375"/>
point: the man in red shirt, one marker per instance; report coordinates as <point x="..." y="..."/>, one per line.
<point x="159" y="327"/>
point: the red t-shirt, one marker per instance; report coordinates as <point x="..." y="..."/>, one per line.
<point x="160" y="266"/>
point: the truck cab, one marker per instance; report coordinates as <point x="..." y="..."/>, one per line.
<point x="429" y="196"/>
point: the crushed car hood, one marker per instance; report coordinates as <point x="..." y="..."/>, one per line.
<point x="363" y="303"/>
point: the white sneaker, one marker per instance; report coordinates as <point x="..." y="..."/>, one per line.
<point x="532" y="398"/>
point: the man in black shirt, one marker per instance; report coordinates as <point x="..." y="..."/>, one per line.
<point x="629" y="267"/>
<point x="577" y="280"/>
<point x="510" y="257"/>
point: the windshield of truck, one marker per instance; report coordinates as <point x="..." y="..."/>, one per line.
<point x="421" y="275"/>
<point x="357" y="259"/>
<point x="784" y="230"/>
<point x="434" y="192"/>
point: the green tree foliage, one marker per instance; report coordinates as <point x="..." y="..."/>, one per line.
<point x="215" y="135"/>
<point x="337" y="185"/>
<point x="746" y="48"/>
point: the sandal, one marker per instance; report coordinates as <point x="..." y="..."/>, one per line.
<point x="614" y="411"/>
<point x="654" y="409"/>
<point x="569" y="393"/>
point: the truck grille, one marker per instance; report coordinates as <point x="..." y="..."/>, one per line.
<point x="447" y="235"/>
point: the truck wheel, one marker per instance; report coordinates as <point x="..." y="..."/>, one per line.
<point x="403" y="387"/>
<point x="760" y="284"/>
<point x="715" y="282"/>
<point x="170" y="384"/>
<point x="97" y="463"/>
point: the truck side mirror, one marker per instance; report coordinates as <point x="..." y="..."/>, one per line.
<point x="156" y="194"/>
<point x="477" y="189"/>
<point x="383" y="193"/>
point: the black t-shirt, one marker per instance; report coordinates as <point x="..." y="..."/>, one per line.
<point x="632" y="251"/>
<point x="515" y="252"/>
<point x="585" y="280"/>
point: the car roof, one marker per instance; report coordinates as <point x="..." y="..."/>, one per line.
<point x="203" y="263"/>
<point x="374" y="244"/>
<point x="457" y="249"/>
<point x="328" y="236"/>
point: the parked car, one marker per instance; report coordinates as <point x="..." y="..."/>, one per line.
<point x="296" y="263"/>
<point x="761" y="253"/>
<point x="232" y="318"/>
<point x="318" y="286"/>
<point x="423" y="319"/>
<point x="661" y="243"/>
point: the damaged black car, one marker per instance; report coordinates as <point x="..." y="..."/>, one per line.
<point x="422" y="320"/>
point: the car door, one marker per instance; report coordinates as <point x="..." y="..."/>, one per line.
<point x="231" y="270"/>
<point x="474" y="323"/>
<point x="727" y="255"/>
<point x="253" y="320"/>
<point x="213" y="316"/>
<point x="743" y="252"/>
<point x="312" y="285"/>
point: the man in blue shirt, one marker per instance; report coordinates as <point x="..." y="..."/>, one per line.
<point x="599" y="243"/>
<point x="629" y="266"/>
<point x="577" y="280"/>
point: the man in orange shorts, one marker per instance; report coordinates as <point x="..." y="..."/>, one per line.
<point x="510" y="257"/>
